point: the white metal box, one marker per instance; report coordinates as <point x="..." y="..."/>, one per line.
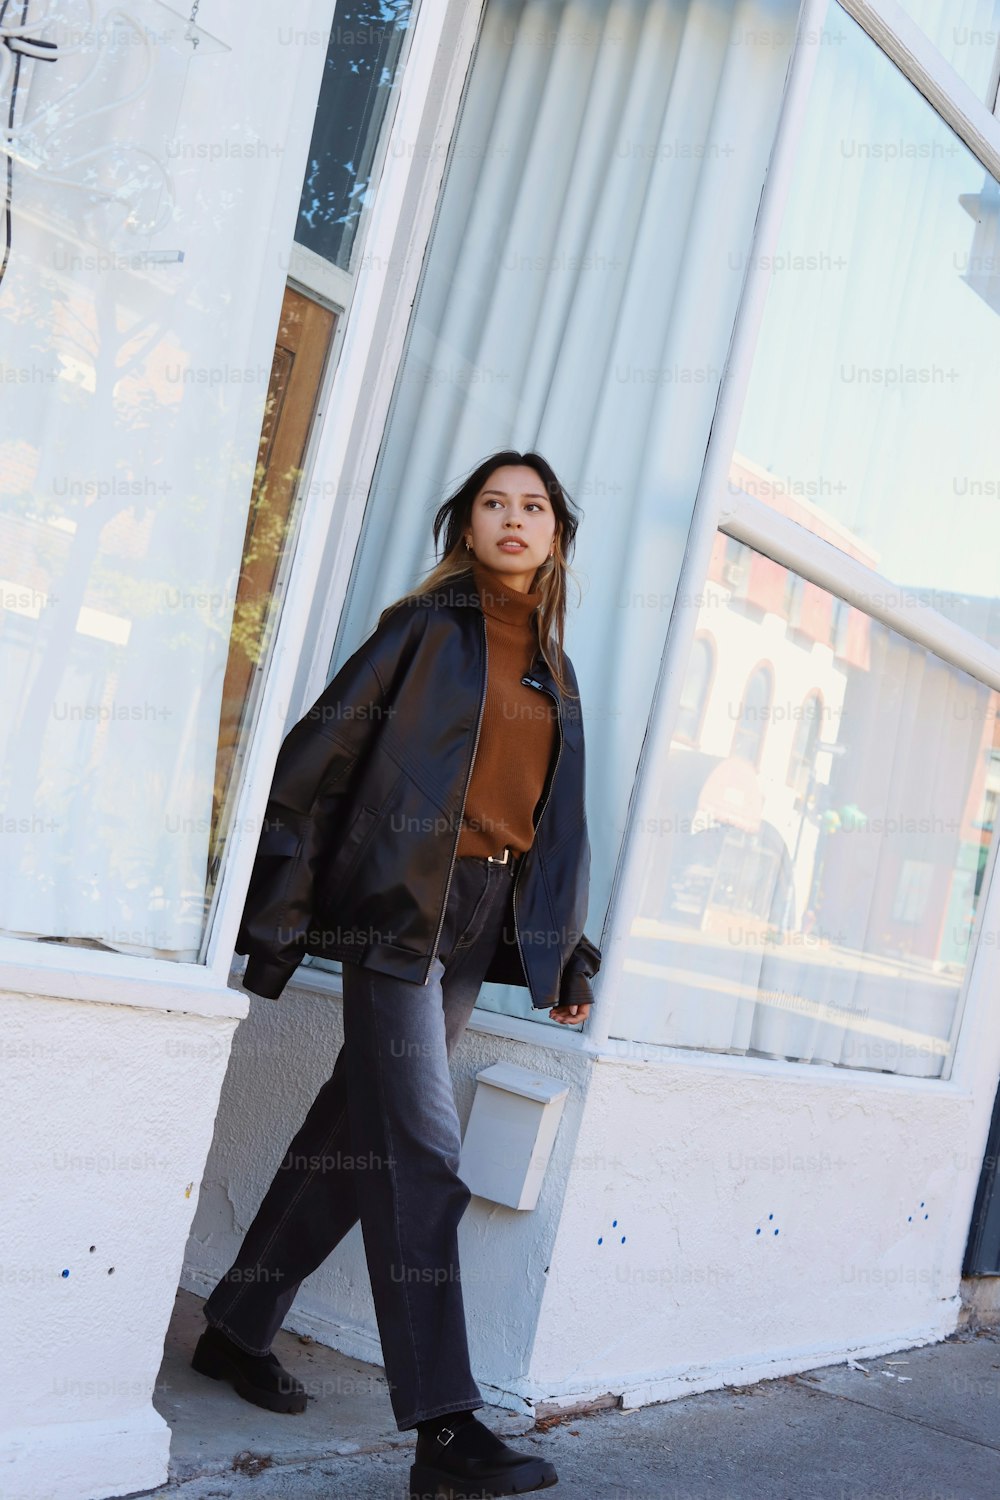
<point x="509" y="1136"/>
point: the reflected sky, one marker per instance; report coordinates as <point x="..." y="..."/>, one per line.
<point x="876" y="385"/>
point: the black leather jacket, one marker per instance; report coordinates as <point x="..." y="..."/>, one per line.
<point x="358" y="844"/>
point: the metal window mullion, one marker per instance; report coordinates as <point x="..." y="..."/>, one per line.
<point x="320" y="278"/>
<point x="916" y="57"/>
<point x="626" y="887"/>
<point x="981" y="969"/>
<point x="756" y="524"/>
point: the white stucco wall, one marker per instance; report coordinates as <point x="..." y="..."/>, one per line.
<point x="861" y="1188"/>
<point x="281" y="1056"/>
<point x="107" y="1116"/>
<point x="641" y="1273"/>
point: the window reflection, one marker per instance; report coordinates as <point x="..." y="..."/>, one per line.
<point x="804" y="743"/>
<point x="748" y="741"/>
<point x="871" y="412"/>
<point x="362" y="68"/>
<point x="811" y="881"/>
<point x="694" y="694"/>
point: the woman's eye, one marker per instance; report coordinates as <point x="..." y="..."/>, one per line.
<point x="531" y="505"/>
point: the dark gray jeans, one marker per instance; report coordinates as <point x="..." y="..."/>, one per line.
<point x="382" y="1142"/>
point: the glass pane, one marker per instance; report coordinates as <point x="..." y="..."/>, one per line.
<point x="816" y="904"/>
<point x="140" y="552"/>
<point x="965" y="34"/>
<point x="126" y="349"/>
<point x="871" y="416"/>
<point x="305" y="333"/>
<point x="362" y="70"/>
<point x="577" y="299"/>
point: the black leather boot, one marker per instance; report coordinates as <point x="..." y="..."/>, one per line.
<point x="259" y="1378"/>
<point x="469" y="1462"/>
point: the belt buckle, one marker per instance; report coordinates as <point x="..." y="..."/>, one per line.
<point x="495" y="859"/>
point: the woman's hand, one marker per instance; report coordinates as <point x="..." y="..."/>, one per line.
<point x="570" y="1015"/>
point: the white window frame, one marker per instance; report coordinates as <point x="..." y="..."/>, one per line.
<point x="340" y="469"/>
<point x="776" y="536"/>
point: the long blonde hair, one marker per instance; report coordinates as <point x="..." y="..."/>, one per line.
<point x="454" y="516"/>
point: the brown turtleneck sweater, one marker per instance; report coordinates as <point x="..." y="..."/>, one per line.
<point x="519" y="732"/>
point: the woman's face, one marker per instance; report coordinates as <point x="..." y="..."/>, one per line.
<point x="513" y="507"/>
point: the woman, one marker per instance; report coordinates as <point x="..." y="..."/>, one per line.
<point x="426" y="826"/>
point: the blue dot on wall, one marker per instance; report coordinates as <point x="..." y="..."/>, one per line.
<point x="600" y="1239"/>
<point x="66" y="1273"/>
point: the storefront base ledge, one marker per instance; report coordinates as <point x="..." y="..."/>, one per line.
<point x="359" y="1343"/>
<point x="212" y="1001"/>
<point x="740" y="1066"/>
<point x="539" y="1032"/>
<point x="116" y="1456"/>
<point x="630" y="1396"/>
<point x="538" y="1400"/>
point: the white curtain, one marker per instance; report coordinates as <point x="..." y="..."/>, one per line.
<point x="578" y="299"/>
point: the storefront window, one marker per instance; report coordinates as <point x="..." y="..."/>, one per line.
<point x="810" y="880"/>
<point x="871" y="413"/>
<point x="825" y="918"/>
<point x="578" y="298"/>
<point x="147" y="513"/>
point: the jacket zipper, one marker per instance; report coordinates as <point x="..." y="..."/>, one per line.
<point x="531" y="682"/>
<point x="468" y="779"/>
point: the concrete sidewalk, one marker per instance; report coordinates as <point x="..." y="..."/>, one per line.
<point x="923" y="1424"/>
